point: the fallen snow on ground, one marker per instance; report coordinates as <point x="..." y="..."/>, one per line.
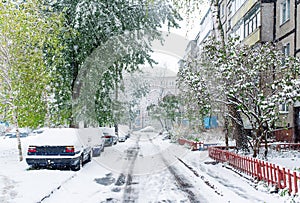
<point x="106" y="179"/>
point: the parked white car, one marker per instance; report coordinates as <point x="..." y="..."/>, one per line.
<point x="109" y="136"/>
<point x="63" y="147"/>
<point x="122" y="136"/>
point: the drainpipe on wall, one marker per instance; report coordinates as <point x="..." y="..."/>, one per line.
<point x="296" y="30"/>
<point x="274" y="19"/>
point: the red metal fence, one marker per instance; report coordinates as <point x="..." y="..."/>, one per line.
<point x="262" y="170"/>
<point x="193" y="144"/>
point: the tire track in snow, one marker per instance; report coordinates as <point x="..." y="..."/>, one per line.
<point x="8" y="192"/>
<point x="226" y="183"/>
<point x="57" y="188"/>
<point x="183" y="183"/>
<point x="130" y="194"/>
<point x="202" y="177"/>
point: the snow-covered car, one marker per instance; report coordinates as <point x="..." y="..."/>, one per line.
<point x="38" y="131"/>
<point x="128" y="135"/>
<point x="63" y="148"/>
<point x="122" y="136"/>
<point x="109" y="136"/>
<point x="166" y="135"/>
<point x="115" y="139"/>
<point x="23" y="132"/>
<point x="14" y="134"/>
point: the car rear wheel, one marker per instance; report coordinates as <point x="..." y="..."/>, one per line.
<point x="79" y="164"/>
<point x="89" y="157"/>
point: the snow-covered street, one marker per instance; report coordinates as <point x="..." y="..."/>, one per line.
<point x="145" y="168"/>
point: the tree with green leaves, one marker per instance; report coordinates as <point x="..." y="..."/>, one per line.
<point x="108" y="36"/>
<point x="134" y="88"/>
<point x="24" y="34"/>
<point x="231" y="126"/>
<point x="166" y="111"/>
<point x="194" y="93"/>
<point x="261" y="78"/>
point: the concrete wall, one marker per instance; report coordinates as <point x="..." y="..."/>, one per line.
<point x="282" y="29"/>
<point x="267" y="22"/>
<point x="298" y="28"/>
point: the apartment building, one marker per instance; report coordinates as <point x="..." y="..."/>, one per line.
<point x="206" y="28"/>
<point x="251" y="20"/>
<point x="286" y="26"/>
<point x="162" y="82"/>
<point x="258" y="21"/>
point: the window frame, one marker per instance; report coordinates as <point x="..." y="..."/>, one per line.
<point x="285" y="11"/>
<point x="283" y="108"/>
<point x="252" y="22"/>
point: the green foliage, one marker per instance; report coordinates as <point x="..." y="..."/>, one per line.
<point x="255" y="80"/>
<point x="194" y="91"/>
<point x="134" y="89"/>
<point x="167" y="109"/>
<point x="108" y="37"/>
<point x="24" y="35"/>
<point x="284" y="192"/>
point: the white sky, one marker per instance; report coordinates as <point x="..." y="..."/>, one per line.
<point x="188" y="31"/>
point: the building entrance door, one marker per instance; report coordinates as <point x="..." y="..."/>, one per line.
<point x="297" y="123"/>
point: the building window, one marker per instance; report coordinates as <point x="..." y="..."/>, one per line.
<point x="283" y="108"/>
<point x="237" y="4"/>
<point x="229" y="10"/>
<point x="286" y="49"/>
<point x="238" y="30"/>
<point x="222" y="10"/>
<point x="285" y="9"/>
<point x="251" y="21"/>
<point x="286" y="52"/>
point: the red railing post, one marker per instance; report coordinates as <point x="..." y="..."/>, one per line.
<point x="295" y="182"/>
<point x="267" y="173"/>
<point x="290" y="181"/>
<point x="278" y="177"/>
<point x="253" y="167"/>
<point x="271" y="174"/>
<point x="284" y="177"/>
<point x="264" y="171"/>
<point x="256" y="168"/>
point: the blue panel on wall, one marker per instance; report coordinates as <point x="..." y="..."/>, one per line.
<point x="210" y="122"/>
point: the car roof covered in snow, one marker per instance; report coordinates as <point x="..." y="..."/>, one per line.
<point x="57" y="137"/>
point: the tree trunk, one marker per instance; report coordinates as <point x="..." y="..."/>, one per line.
<point x="258" y="140"/>
<point x="161" y="123"/>
<point x="130" y="124"/>
<point x="266" y="145"/>
<point x="116" y="129"/>
<point x="226" y="126"/>
<point x="239" y="132"/>
<point x="15" y="121"/>
<point x="116" y="119"/>
<point x="75" y="89"/>
<point x="255" y="149"/>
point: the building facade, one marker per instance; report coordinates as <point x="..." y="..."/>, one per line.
<point x="259" y="21"/>
<point x="162" y="82"/>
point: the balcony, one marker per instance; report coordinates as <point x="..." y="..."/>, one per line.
<point x="245" y="8"/>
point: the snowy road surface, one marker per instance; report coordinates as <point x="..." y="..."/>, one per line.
<point x="143" y="169"/>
